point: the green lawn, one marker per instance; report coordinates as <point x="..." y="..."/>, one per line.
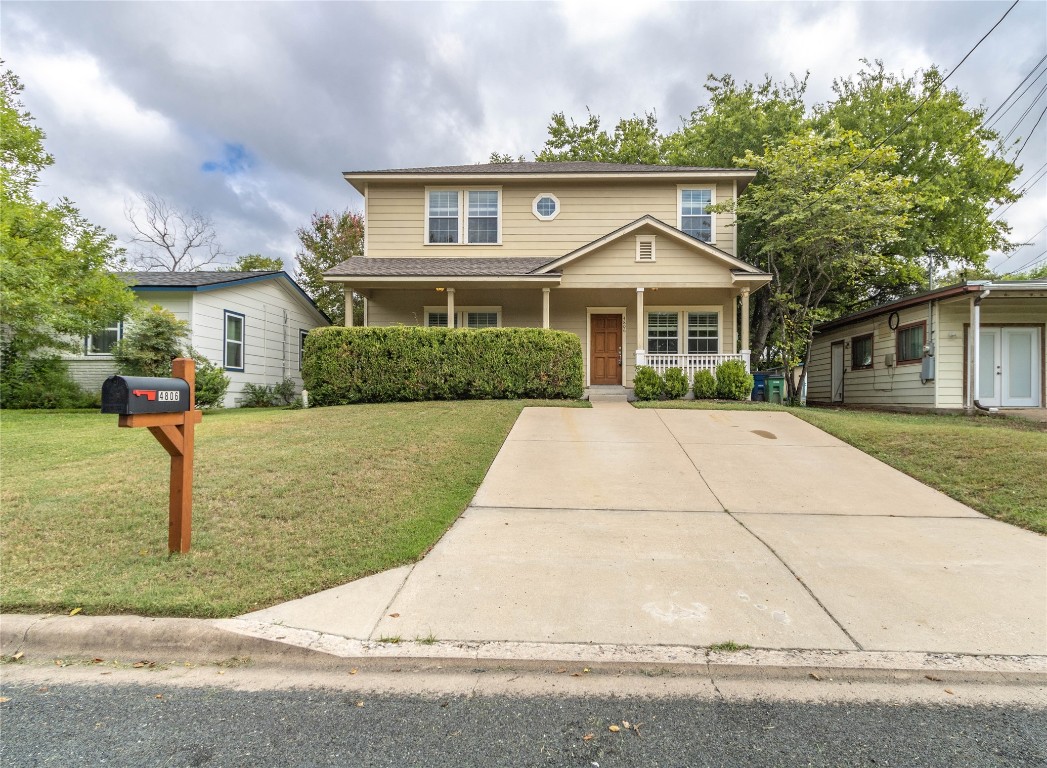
<point x="997" y="466"/>
<point x="286" y="503"/>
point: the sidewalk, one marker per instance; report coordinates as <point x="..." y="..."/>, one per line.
<point x="616" y="535"/>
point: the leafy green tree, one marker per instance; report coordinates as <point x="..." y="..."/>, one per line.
<point x="505" y="157"/>
<point x="154" y="338"/>
<point x="330" y="239"/>
<point x="958" y="167"/>
<point x="211" y="381"/>
<point x="55" y="267"/>
<point x="634" y="140"/>
<point x="820" y="234"/>
<point x="255" y="262"/>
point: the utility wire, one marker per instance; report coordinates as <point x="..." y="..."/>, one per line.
<point x="1034" y="127"/>
<point x="988" y="122"/>
<point x="1016" y="251"/>
<point x="1036" y="177"/>
<point x="1024" y="267"/>
<point x="1025" y="114"/>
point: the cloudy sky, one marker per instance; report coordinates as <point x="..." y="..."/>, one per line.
<point x="249" y="112"/>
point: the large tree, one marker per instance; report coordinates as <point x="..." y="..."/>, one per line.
<point x="56" y="279"/>
<point x="168" y="239"/>
<point x="330" y="239"/>
<point x="255" y="262"/>
<point x="825" y="224"/>
<point x="633" y="140"/>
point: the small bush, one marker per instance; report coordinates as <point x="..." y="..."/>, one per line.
<point x="675" y="384"/>
<point x="647" y="384"/>
<point x="732" y="382"/>
<point x="38" y="380"/>
<point x="211" y="382"/>
<point x="704" y="385"/>
<point x="153" y="340"/>
<point x="387" y="364"/>
<point x="257" y="396"/>
<point x="284" y="393"/>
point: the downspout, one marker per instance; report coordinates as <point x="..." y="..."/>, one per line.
<point x="976" y="319"/>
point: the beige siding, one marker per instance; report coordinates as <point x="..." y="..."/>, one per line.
<point x="567" y="310"/>
<point x="881" y="385"/>
<point x="396" y="217"/>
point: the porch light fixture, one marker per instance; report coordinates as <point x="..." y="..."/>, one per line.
<point x="440" y="290"/>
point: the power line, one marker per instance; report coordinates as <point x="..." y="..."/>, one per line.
<point x="1036" y="177"/>
<point x="1024" y="267"/>
<point x="1034" y="127"/>
<point x="1016" y="251"/>
<point x="1025" y="114"/>
<point x="986" y="123"/>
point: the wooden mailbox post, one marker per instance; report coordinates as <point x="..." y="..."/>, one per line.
<point x="174" y="429"/>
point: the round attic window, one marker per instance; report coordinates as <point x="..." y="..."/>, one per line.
<point x="546" y="207"/>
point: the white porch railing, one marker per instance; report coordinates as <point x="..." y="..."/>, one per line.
<point x="689" y="364"/>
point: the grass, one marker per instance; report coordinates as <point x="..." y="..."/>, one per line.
<point x="729" y="646"/>
<point x="286" y="503"/>
<point x="993" y="465"/>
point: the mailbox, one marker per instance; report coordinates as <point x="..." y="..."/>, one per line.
<point x="140" y="394"/>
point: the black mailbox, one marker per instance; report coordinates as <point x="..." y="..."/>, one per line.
<point x="141" y="394"/>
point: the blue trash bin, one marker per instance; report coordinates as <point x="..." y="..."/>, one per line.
<point x="759" y="386"/>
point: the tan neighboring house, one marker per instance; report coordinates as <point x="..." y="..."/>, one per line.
<point x="252" y="324"/>
<point x="977" y="344"/>
<point x="628" y="257"/>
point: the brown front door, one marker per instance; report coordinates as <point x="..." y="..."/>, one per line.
<point x="605" y="349"/>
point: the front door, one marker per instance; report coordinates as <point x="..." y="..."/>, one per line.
<point x="605" y="345"/>
<point x="1009" y="369"/>
<point x="837" y="371"/>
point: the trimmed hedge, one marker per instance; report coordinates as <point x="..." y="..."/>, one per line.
<point x="377" y="365"/>
<point x="732" y="382"/>
<point x="704" y="385"/>
<point x="675" y="383"/>
<point x="647" y="384"/>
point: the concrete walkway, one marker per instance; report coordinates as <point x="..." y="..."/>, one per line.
<point x="616" y="525"/>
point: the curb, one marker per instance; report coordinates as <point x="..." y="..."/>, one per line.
<point x="209" y="641"/>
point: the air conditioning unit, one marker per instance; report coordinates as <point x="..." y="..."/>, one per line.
<point x="888" y="360"/>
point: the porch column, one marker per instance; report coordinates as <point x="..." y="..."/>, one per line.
<point x="348" y="306"/>
<point x="545" y="307"/>
<point x="641" y="348"/>
<point x="450" y="307"/>
<point x="745" y="327"/>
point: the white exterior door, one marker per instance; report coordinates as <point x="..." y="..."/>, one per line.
<point x="1009" y="369"/>
<point x="837" y="372"/>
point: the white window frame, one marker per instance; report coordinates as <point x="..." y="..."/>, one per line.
<point x="460" y="314"/>
<point x="681" y="326"/>
<point x="711" y="189"/>
<point x="643" y="240"/>
<point x="687" y="330"/>
<point x="226" y="314"/>
<point x="540" y="216"/>
<point x="463" y="215"/>
<point x="89" y="339"/>
<point x="302" y="333"/>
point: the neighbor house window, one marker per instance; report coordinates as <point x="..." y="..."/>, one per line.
<point x="663" y="334"/>
<point x="102" y="342"/>
<point x="445" y="224"/>
<point x="695" y="218"/>
<point x="545" y="207"/>
<point x="464" y="317"/>
<point x="233" y="348"/>
<point x="862" y="352"/>
<point x="910" y="343"/>
<point x="703" y="333"/>
<point x="301" y="348"/>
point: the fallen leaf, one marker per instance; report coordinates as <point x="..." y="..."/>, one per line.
<point x="4" y="699"/>
<point x="97" y="660"/>
<point x="353" y="671"/>
<point x="144" y="663"/>
<point x="18" y="655"/>
<point x="158" y="696"/>
<point x="949" y="691"/>
<point x="815" y="676"/>
<point x="359" y="703"/>
<point x="613" y="728"/>
<point x="588" y="737"/>
<point x="75" y="611"/>
<point x="106" y="673"/>
<point x="42" y="689"/>
<point x="585" y="671"/>
<point x="59" y="663"/>
<point x="561" y="670"/>
<point x="576" y="674"/>
<point x="221" y="671"/>
<point x="625" y="724"/>
<point x="933" y="678"/>
<point x="394" y="615"/>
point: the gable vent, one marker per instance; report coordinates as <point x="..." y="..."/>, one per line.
<point x="645" y="248"/>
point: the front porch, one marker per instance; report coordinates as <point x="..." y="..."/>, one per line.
<point x="689" y="364"/>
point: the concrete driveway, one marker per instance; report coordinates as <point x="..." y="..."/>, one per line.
<point x="686" y="527"/>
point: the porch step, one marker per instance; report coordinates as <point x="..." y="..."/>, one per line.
<point x="608" y="394"/>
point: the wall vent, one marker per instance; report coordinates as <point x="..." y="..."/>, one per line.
<point x="645" y="248"/>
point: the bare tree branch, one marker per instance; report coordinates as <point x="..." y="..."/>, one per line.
<point x="166" y="239"/>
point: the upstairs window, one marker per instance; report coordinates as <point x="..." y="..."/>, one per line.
<point x="545" y="207"/>
<point x="695" y="218"/>
<point x="102" y="342"/>
<point x="663" y="332"/>
<point x="703" y="333"/>
<point x="445" y="224"/>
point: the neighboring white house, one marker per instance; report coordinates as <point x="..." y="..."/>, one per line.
<point x="251" y="323"/>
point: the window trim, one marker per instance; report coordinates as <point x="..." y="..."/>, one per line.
<point x="534" y="206"/>
<point x="711" y="188"/>
<point x="872" y="351"/>
<point x="463" y="214"/>
<point x="898" y="360"/>
<point x="302" y="333"/>
<point x="226" y="314"/>
<point x="119" y="327"/>
<point x="643" y="239"/>
<point x="687" y="329"/>
<point x="681" y="325"/>
<point x="460" y="313"/>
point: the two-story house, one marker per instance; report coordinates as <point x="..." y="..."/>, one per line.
<point x="628" y="257"/>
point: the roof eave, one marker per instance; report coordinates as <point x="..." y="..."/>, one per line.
<point x="359" y="180"/>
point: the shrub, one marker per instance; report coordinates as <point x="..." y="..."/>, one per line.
<point x="211" y="382"/>
<point x="732" y="382"/>
<point x="38" y="380"/>
<point x="704" y="385"/>
<point x="647" y="384"/>
<point x="153" y="340"/>
<point x="675" y="384"/>
<point x="284" y="393"/>
<point x="257" y="396"/>
<point x="376" y="364"/>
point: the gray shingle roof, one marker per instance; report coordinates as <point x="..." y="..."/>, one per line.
<point x="535" y="167"/>
<point x="187" y="279"/>
<point x="360" y="266"/>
